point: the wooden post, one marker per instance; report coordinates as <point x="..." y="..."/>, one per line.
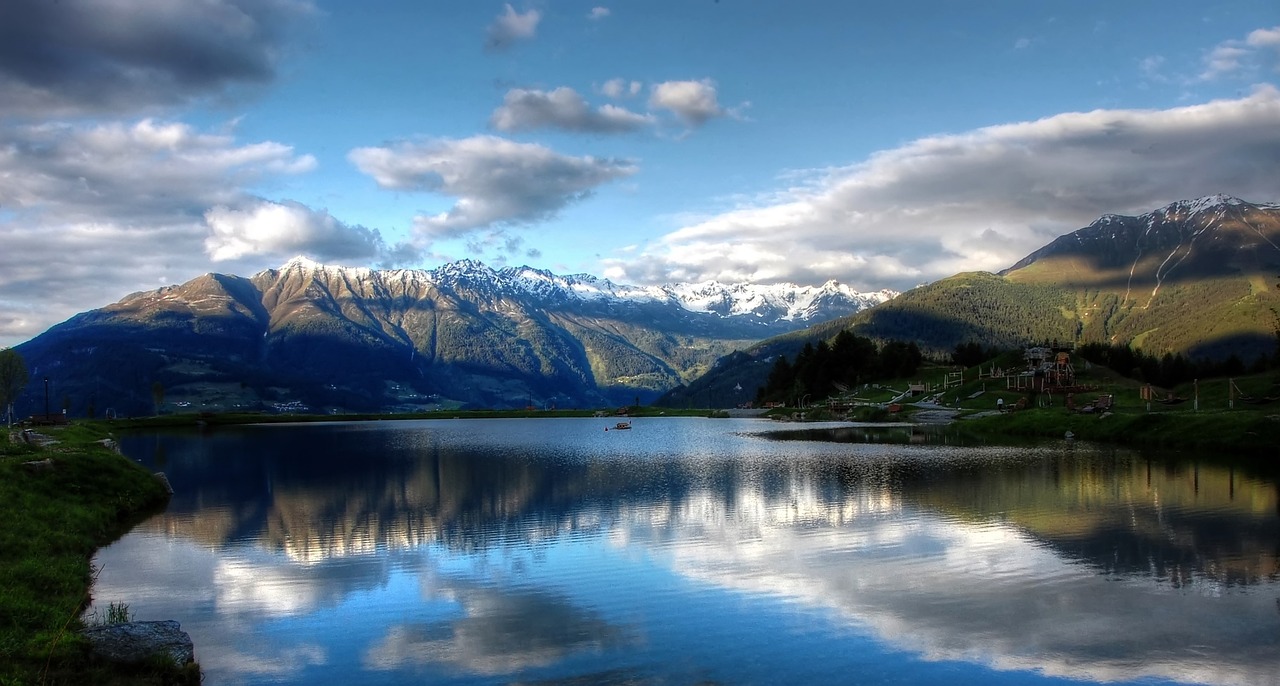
<point x="1195" y="406"/>
<point x="1231" y="394"/>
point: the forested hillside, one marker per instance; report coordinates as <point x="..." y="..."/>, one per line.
<point x="1195" y="280"/>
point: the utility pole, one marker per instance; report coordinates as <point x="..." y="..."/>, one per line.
<point x="46" y="398"/>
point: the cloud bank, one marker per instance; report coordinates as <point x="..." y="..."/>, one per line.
<point x="88" y="209"/>
<point x="72" y="58"/>
<point x="976" y="200"/>
<point x="497" y="182"/>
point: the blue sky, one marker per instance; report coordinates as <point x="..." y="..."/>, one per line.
<point x="882" y="145"/>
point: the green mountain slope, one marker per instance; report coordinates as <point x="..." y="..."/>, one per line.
<point x="1197" y="278"/>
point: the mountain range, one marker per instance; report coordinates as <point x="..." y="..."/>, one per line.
<point x="1196" y="277"/>
<point x="327" y="338"/>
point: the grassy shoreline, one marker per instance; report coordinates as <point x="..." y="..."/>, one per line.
<point x="56" y="516"/>
<point x="1244" y="434"/>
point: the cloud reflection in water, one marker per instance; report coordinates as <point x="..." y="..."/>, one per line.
<point x="427" y="558"/>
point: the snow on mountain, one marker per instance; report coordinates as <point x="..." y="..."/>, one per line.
<point x="786" y="301"/>
<point x="764" y="302"/>
<point x="1215" y="206"/>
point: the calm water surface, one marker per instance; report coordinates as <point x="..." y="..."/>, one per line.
<point x="694" y="551"/>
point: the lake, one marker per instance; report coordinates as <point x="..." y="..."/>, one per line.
<point x="697" y="551"/>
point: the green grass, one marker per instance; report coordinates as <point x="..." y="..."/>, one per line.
<point x="54" y="520"/>
<point x="1250" y="431"/>
<point x="1230" y="434"/>
<point x="1247" y="430"/>
<point x="115" y="613"/>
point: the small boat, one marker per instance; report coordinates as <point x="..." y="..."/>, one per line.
<point x="620" y="426"/>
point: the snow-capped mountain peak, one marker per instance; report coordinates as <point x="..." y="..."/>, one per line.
<point x="767" y="303"/>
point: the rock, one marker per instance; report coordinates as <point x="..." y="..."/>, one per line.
<point x="164" y="481"/>
<point x="39" y="465"/>
<point x="133" y="642"/>
<point x="39" y="440"/>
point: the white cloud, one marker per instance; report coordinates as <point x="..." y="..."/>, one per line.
<point x="598" y="13"/>
<point x="92" y="212"/>
<point x="694" y="102"/>
<point x="977" y="200"/>
<point x="562" y="108"/>
<point x="1022" y="44"/>
<point x="621" y="88"/>
<point x="1223" y="60"/>
<point x="131" y="172"/>
<point x="284" y="229"/>
<point x="512" y="26"/>
<point x="497" y="182"/>
<point x="1257" y="52"/>
<point x="1264" y="38"/>
<point x="73" y="58"/>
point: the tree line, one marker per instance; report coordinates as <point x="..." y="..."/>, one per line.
<point x="849" y="360"/>
<point x="1170" y="369"/>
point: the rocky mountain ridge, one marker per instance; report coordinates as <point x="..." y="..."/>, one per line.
<point x="768" y="303"/>
<point x="342" y="338"/>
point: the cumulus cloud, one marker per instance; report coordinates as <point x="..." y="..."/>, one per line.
<point x="977" y="200"/>
<point x="693" y="102"/>
<point x="91" y="212"/>
<point x="72" y="58"/>
<point x="512" y="26"/>
<point x="497" y="182"/>
<point x="1264" y="38"/>
<point x="283" y="229"/>
<point x="598" y="13"/>
<point x="562" y="108"/>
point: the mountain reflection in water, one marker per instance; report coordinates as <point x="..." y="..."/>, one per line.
<point x="687" y="550"/>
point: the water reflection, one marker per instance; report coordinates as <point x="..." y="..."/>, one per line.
<point x="411" y="552"/>
<point x="495" y="632"/>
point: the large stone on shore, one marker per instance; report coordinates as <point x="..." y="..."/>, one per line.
<point x="133" y="642"/>
<point x="164" y="481"/>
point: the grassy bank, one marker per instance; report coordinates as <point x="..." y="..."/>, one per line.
<point x="1239" y="433"/>
<point x="55" y="517"/>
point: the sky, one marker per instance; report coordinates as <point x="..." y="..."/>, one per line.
<point x="883" y="145"/>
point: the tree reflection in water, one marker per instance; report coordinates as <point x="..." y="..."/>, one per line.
<point x="532" y="547"/>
